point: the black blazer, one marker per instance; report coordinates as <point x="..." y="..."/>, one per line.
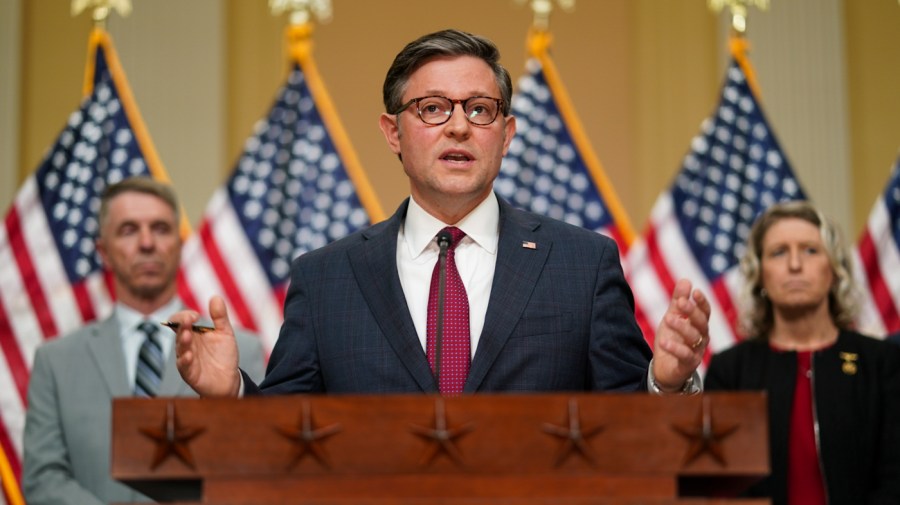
<point x="858" y="414"/>
<point x="560" y="317"/>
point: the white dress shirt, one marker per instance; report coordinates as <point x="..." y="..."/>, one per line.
<point x="133" y="338"/>
<point x="476" y="258"/>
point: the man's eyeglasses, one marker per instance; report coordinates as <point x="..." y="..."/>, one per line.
<point x="436" y="110"/>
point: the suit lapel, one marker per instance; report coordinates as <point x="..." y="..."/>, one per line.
<point x="374" y="264"/>
<point x="518" y="268"/>
<point x="105" y="347"/>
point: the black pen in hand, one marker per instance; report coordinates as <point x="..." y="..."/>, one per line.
<point x="196" y="328"/>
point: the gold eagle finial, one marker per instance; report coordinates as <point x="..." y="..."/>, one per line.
<point x="302" y="11"/>
<point x="101" y="8"/>
<point x="542" y="10"/>
<point x="738" y="10"/>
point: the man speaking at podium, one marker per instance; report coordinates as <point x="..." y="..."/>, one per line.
<point x="457" y="292"/>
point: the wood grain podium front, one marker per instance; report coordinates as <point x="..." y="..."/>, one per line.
<point x="566" y="449"/>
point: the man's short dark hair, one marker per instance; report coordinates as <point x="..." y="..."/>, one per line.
<point x="437" y="44"/>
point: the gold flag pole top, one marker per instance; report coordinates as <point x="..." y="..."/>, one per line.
<point x="302" y="11"/>
<point x="101" y="8"/>
<point x="542" y="10"/>
<point x="738" y="11"/>
<point x="300" y="26"/>
<point x="738" y="44"/>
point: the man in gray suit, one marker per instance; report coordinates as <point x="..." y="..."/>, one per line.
<point x="544" y="305"/>
<point x="75" y="378"/>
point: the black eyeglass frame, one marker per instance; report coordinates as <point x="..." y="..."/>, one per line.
<point x="453" y="103"/>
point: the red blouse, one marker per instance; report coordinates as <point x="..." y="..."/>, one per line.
<point x="805" y="483"/>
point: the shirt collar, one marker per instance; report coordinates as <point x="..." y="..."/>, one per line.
<point x="129" y="318"/>
<point x="482" y="225"/>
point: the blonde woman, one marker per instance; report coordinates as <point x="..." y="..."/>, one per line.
<point x="833" y="394"/>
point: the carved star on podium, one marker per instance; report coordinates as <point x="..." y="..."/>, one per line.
<point x="574" y="437"/>
<point x="705" y="436"/>
<point x="172" y="438"/>
<point x="442" y="439"/>
<point x="308" y="439"/>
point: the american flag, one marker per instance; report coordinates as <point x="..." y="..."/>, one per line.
<point x="51" y="280"/>
<point x="296" y="187"/>
<point x="550" y="168"/>
<point x="877" y="254"/>
<point x="697" y="228"/>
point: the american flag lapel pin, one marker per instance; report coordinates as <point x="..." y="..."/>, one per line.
<point x="529" y="245"/>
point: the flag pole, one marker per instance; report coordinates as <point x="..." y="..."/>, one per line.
<point x="538" y="43"/>
<point x="309" y="192"/>
<point x="299" y="39"/>
<point x="738" y="44"/>
<point x="10" y="488"/>
<point x="100" y="39"/>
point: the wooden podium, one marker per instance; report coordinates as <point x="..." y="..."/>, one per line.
<point x="566" y="449"/>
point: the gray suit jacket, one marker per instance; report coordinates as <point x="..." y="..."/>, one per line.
<point x="560" y="317"/>
<point x="67" y="424"/>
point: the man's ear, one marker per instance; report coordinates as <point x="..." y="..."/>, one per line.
<point x="100" y="245"/>
<point x="509" y="129"/>
<point x="391" y="130"/>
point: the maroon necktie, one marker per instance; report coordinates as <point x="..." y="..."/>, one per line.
<point x="454" y="342"/>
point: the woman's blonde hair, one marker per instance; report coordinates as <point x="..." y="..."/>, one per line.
<point x="757" y="317"/>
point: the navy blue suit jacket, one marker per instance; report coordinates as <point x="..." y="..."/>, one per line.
<point x="560" y="317"/>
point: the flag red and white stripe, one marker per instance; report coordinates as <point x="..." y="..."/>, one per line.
<point x="698" y="227"/>
<point x="876" y="255"/>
